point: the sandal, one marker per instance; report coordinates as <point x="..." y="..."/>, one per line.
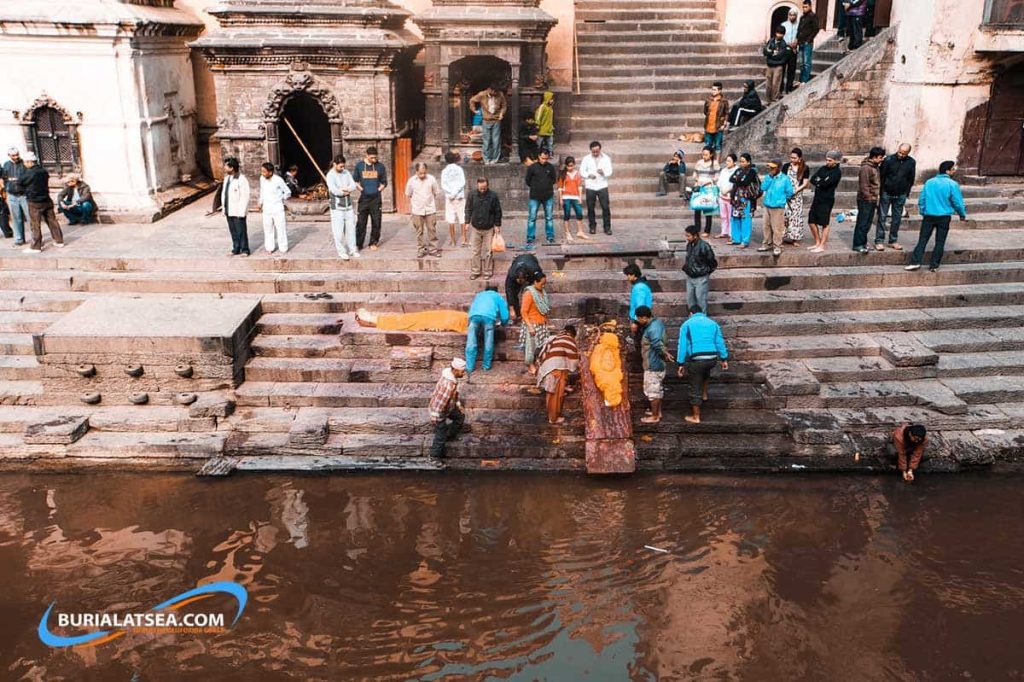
<point x="879" y="247"/>
<point x="650" y="420"/>
<point x="896" y="247"/>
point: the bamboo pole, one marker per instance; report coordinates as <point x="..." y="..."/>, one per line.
<point x="303" y="145"/>
<point x="576" y="55"/>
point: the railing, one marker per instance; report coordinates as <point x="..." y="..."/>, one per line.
<point x="1004" y="12"/>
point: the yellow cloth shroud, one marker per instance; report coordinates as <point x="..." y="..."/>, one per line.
<point x="606" y="366"/>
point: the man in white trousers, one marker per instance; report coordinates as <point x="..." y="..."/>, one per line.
<point x="273" y="192"/>
<point x="340" y="188"/>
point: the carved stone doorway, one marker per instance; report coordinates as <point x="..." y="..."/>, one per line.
<point x="311" y="123"/>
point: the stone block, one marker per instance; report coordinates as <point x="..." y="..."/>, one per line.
<point x="963" y="447"/>
<point x="411" y="357"/>
<point x="211" y="406"/>
<point x="903" y="349"/>
<point x="790" y="378"/>
<point x="56" y="431"/>
<point x="933" y="394"/>
<point x="310" y="428"/>
<point x="994" y="389"/>
<point x="190" y="424"/>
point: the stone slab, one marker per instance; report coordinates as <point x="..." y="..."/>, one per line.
<point x="309" y="428"/>
<point x="904" y="350"/>
<point x="211" y="406"/>
<point x="994" y="389"/>
<point x="411" y="357"/>
<point x="790" y="379"/>
<point x="57" y="430"/>
<point x="145" y="324"/>
<point x="937" y="396"/>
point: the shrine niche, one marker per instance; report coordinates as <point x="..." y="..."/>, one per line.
<point x="51" y="132"/>
<point x="332" y="70"/>
<point x="468" y="43"/>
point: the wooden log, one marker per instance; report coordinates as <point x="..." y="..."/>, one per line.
<point x="609" y="430"/>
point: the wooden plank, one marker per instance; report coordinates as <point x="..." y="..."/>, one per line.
<point x="609" y="430"/>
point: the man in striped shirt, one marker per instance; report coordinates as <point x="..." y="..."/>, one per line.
<point x="445" y="406"/>
<point x="559" y="357"/>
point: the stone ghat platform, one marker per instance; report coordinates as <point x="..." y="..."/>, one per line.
<point x="828" y="353"/>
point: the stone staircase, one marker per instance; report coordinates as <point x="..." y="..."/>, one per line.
<point x="828" y="352"/>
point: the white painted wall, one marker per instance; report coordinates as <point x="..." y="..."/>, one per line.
<point x="121" y="92"/>
<point x="937" y="77"/>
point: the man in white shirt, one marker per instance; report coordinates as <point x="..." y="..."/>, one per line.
<point x="273" y="192"/>
<point x="340" y="188"/>
<point x="791" y="25"/>
<point x="423" y="191"/>
<point x="453" y="184"/>
<point x="235" y="202"/>
<point x="596" y="168"/>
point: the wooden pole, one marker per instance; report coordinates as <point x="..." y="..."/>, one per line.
<point x="303" y="145"/>
<point x="576" y="55"/>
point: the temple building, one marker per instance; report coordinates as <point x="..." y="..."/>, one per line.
<point x="146" y="97"/>
<point x="104" y="89"/>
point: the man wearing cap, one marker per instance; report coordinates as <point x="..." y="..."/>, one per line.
<point x="777" y="190"/>
<point x="76" y="202"/>
<point x="12" y="173"/>
<point x="825" y="180"/>
<point x="445" y="406"/>
<point x="673" y="173"/>
<point x="36" y="182"/>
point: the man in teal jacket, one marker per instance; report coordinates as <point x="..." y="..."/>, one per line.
<point x="940" y="199"/>
<point x="701" y="347"/>
<point x="778" y="189"/>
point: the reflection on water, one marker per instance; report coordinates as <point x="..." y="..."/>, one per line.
<point x="524" y="577"/>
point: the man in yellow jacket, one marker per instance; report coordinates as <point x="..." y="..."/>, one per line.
<point x="545" y="119"/>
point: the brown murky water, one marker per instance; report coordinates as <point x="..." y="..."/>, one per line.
<point x="524" y="576"/>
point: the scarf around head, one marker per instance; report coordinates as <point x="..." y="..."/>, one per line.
<point x="540" y="299"/>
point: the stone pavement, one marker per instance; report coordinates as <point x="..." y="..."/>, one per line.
<point x="829" y="351"/>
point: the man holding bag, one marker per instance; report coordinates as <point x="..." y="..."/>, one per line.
<point x="483" y="212"/>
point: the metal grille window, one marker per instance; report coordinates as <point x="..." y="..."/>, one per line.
<point x="53" y="140"/>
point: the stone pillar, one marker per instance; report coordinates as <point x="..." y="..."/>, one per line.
<point x="513" y="108"/>
<point x="273" y="145"/>
<point x="337" y="139"/>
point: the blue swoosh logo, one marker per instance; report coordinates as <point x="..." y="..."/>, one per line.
<point x="59" y="641"/>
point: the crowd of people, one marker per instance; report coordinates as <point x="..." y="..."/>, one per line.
<point x="551" y="356"/>
<point x="25" y="202"/>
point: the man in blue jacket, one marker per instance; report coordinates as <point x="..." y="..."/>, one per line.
<point x="639" y="290"/>
<point x="940" y="199"/>
<point x="778" y="189"/>
<point x="488" y="309"/>
<point x="701" y="347"/>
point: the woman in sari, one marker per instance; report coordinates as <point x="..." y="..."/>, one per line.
<point x="559" y="358"/>
<point x="535" y="310"/>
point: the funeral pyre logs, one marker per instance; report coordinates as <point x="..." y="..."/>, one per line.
<point x="605" y="394"/>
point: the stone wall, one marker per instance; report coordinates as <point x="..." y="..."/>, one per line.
<point x="843" y="108"/>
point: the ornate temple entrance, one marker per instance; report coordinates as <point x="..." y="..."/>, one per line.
<point x="467" y="77"/>
<point x="310" y="122"/>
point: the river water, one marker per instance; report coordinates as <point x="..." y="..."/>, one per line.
<point x="495" y="576"/>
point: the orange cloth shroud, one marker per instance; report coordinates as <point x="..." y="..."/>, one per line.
<point x="606" y="366"/>
<point x="426" y="321"/>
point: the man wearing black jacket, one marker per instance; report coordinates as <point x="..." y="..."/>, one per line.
<point x="776" y="55"/>
<point x="517" y="279"/>
<point x="700" y="263"/>
<point x="540" y="178"/>
<point x="483" y="212"/>
<point x="897" y="177"/>
<point x="825" y="180"/>
<point x="806" y="32"/>
<point x="36" y="182"/>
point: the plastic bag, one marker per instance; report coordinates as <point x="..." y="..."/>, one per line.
<point x="706" y="199"/>
<point x="497" y="243"/>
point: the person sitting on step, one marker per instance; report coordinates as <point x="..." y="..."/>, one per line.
<point x="446" y="407"/>
<point x="908" y="444"/>
<point x="76" y="202"/>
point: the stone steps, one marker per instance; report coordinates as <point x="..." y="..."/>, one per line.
<point x="588" y="27"/>
<point x="19" y="367"/>
<point x="16" y="344"/>
<point x="302" y="394"/>
<point x="993" y="339"/>
<point x="20" y="392"/>
<point x="21" y="322"/>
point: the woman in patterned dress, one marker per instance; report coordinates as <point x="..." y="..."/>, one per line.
<point x="796" y="219"/>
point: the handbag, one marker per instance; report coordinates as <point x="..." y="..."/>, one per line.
<point x="497" y="243"/>
<point x="706" y="199"/>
